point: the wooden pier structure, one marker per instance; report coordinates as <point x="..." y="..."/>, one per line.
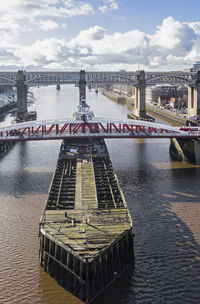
<point x="86" y="238"/>
<point x="5" y="146"/>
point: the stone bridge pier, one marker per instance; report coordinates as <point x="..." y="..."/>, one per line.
<point x="22" y="112"/>
<point x="140" y="95"/>
<point x="82" y="86"/>
<point x="194" y="97"/>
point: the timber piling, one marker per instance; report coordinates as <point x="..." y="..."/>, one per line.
<point x="5" y="147"/>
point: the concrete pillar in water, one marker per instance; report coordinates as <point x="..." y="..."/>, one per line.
<point x="194" y="97"/>
<point x="140" y="95"/>
<point x="82" y="86"/>
<point x="22" y="112"/>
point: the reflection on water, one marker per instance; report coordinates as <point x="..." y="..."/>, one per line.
<point x="163" y="197"/>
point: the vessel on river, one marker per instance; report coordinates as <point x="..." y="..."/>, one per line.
<point x="86" y="238"/>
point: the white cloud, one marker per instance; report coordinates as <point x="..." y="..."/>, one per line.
<point x="174" y="45"/>
<point x="103" y="9"/>
<point x="48" y="25"/>
<point x="109" y="5"/>
<point x="173" y="35"/>
<point x="17" y="16"/>
<point x="10" y="29"/>
<point x="40" y="52"/>
<point x="64" y="25"/>
<point x="54" y="8"/>
<point x="87" y="36"/>
<point x="195" y="26"/>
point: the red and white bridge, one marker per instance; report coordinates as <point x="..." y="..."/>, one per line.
<point x="97" y="128"/>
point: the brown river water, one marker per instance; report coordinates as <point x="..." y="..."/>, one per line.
<point x="163" y="197"/>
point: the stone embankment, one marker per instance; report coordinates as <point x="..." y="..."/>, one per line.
<point x="155" y="111"/>
<point x="171" y="117"/>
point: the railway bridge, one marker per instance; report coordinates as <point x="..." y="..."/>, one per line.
<point x="139" y="79"/>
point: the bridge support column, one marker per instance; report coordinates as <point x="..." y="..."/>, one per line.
<point x="140" y="95"/>
<point x="194" y="97"/>
<point x="82" y="86"/>
<point x="183" y="149"/>
<point x="22" y="112"/>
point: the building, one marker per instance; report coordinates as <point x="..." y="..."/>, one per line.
<point x="163" y="94"/>
<point x="196" y="67"/>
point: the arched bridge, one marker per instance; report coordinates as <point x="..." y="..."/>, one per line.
<point x="96" y="128"/>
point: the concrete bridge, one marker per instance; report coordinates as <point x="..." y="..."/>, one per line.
<point x="139" y="79"/>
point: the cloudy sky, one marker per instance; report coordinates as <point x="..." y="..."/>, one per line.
<point x="99" y="34"/>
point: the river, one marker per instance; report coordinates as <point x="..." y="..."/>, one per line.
<point x="163" y="197"/>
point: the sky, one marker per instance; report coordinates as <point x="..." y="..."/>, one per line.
<point x="106" y="35"/>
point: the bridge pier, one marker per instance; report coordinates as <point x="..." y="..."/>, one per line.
<point x="183" y="149"/>
<point x="139" y="111"/>
<point x="140" y="95"/>
<point x="194" y="97"/>
<point x="82" y="86"/>
<point x="22" y="112"/>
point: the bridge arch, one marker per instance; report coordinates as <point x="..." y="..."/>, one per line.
<point x="35" y="78"/>
<point x="8" y="81"/>
<point x="169" y="78"/>
<point x="51" y="79"/>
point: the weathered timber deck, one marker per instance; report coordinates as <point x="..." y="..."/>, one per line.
<point x="86" y="237"/>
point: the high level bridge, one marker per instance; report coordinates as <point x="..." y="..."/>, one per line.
<point x="139" y="79"/>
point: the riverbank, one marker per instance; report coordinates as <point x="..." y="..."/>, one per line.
<point x="151" y="110"/>
<point x="165" y="115"/>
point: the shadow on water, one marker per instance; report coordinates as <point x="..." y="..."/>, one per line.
<point x="116" y="291"/>
<point x="17" y="178"/>
<point x="166" y="220"/>
<point x="167" y="258"/>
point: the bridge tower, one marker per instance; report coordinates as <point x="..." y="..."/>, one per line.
<point x="140" y="95"/>
<point x="22" y="112"/>
<point x="194" y="97"/>
<point x="82" y="86"/>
